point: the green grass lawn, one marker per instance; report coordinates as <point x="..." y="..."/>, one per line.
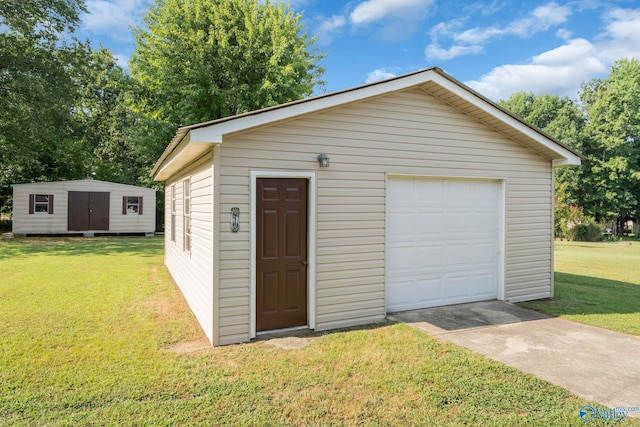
<point x="597" y="284"/>
<point x="88" y="328"/>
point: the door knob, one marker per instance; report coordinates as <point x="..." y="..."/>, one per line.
<point x="303" y="262"/>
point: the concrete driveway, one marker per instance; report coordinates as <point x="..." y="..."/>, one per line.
<point x="594" y="363"/>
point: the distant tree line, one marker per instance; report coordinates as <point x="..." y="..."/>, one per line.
<point x="69" y="111"/>
<point x="604" y="126"/>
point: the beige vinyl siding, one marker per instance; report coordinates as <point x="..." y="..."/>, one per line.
<point x="25" y="223"/>
<point x="193" y="271"/>
<point x="411" y="133"/>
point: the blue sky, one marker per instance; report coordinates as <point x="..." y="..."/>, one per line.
<point x="496" y="47"/>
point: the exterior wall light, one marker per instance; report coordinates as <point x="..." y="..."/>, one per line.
<point x="323" y="159"/>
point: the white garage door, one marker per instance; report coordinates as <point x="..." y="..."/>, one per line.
<point x="442" y="242"/>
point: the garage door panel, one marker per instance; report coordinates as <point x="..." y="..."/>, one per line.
<point x="456" y="288"/>
<point x="403" y="258"/>
<point x="442" y="242"/>
<point x="399" y="224"/>
<point x="425" y="191"/>
<point x="458" y="222"/>
<point x="398" y="191"/>
<point x="430" y="223"/>
<point x="484" y="222"/>
<point x="430" y="258"/>
<point x="484" y="285"/>
<point x="483" y="254"/>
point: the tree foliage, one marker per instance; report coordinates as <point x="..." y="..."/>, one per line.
<point x="63" y="113"/>
<point x="605" y="127"/>
<point x="613" y="108"/>
<point x="199" y="60"/>
<point x="36" y="90"/>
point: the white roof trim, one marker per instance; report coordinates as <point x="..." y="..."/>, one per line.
<point x="85" y="181"/>
<point x="568" y="158"/>
<point x="214" y="132"/>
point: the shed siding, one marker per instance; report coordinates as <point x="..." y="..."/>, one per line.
<point x="408" y="132"/>
<point x="25" y="223"/>
<point x="193" y="271"/>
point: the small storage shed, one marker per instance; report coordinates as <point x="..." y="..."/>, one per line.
<point x="336" y="210"/>
<point x="83" y="206"/>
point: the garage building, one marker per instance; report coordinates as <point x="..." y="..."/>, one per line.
<point x="336" y="210"/>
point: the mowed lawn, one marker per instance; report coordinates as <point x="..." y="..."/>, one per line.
<point x="597" y="284"/>
<point x="94" y="332"/>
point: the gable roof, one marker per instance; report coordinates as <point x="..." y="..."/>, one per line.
<point x="192" y="141"/>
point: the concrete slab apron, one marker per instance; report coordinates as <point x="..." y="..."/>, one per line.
<point x="594" y="363"/>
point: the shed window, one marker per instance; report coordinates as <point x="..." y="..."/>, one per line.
<point x="131" y="205"/>
<point x="173" y="213"/>
<point x="41" y="204"/>
<point x="186" y="212"/>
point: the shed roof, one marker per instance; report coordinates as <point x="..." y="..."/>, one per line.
<point x="192" y="141"/>
<point x="84" y="182"/>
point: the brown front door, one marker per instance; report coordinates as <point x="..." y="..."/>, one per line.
<point x="281" y="246"/>
<point x="88" y="211"/>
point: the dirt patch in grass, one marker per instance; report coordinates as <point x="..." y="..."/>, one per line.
<point x="289" y="343"/>
<point x="164" y="308"/>
<point x="189" y="347"/>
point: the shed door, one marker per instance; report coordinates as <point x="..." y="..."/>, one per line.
<point x="281" y="246"/>
<point x="442" y="242"/>
<point x="88" y="211"/>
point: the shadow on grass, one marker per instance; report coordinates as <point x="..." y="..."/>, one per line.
<point x="575" y="294"/>
<point x="309" y="333"/>
<point x="80" y="246"/>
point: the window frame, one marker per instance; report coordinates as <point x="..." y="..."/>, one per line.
<point x="173" y="212"/>
<point x="186" y="215"/>
<point x="126" y="204"/>
<point x="40" y="207"/>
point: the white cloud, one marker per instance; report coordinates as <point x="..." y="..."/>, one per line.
<point x="622" y="35"/>
<point x="543" y="18"/>
<point x="328" y="28"/>
<point x="435" y="51"/>
<point x="563" y="69"/>
<point x="478" y="35"/>
<point x="374" y="10"/>
<point x="113" y="17"/>
<point x="379" y="74"/>
<point x="563" y="33"/>
<point x="470" y="41"/>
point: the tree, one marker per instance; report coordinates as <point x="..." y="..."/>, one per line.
<point x="606" y="130"/>
<point x="563" y="119"/>
<point x="200" y="60"/>
<point x="36" y="90"/>
<point x="65" y="109"/>
<point x="613" y="108"/>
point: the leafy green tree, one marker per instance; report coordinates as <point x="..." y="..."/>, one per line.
<point x="36" y="90"/>
<point x="199" y="60"/>
<point x="563" y="119"/>
<point x="613" y="108"/>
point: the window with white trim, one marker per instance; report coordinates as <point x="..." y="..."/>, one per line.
<point x="173" y="213"/>
<point x="131" y="205"/>
<point x="186" y="213"/>
<point x="41" y="204"/>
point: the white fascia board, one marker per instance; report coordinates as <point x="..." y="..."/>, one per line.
<point x="206" y="134"/>
<point x="566" y="156"/>
<point x="575" y="161"/>
<point x="216" y="132"/>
